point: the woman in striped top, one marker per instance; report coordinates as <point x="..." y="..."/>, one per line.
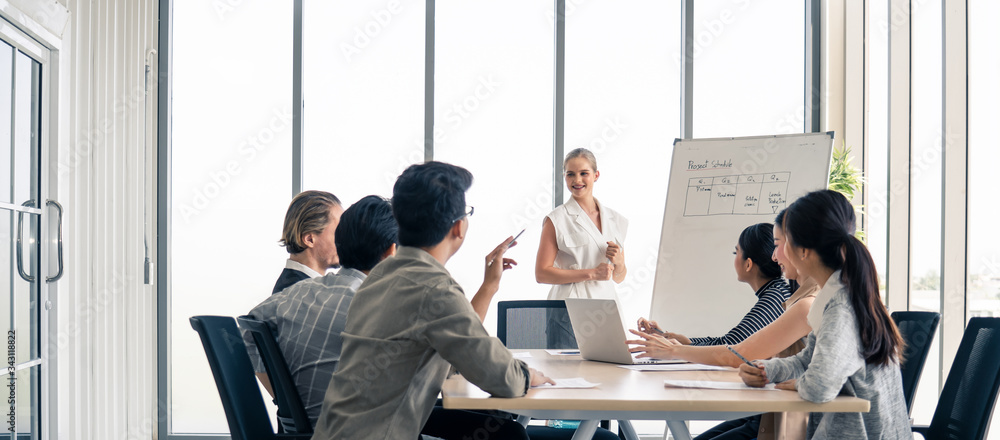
<point x="755" y="267"/>
<point x="782" y="338"/>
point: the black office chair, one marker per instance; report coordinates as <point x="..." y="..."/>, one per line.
<point x="918" y="330"/>
<point x="234" y="377"/>
<point x="522" y="325"/>
<point x="291" y="411"/>
<point x="966" y="404"/>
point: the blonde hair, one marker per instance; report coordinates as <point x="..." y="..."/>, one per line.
<point x="309" y="212"/>
<point x="581" y="152"/>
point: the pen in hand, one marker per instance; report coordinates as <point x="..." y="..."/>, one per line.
<point x="510" y="245"/>
<point x="741" y="356"/>
<point x="650" y="327"/>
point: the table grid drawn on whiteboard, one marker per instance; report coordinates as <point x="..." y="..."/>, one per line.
<point x="761" y="193"/>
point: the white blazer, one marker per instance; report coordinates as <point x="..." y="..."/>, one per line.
<point x="582" y="246"/>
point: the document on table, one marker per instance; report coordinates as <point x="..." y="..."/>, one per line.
<point x="715" y="385"/>
<point x="521" y="354"/>
<point x="569" y="382"/>
<point x="563" y="352"/>
<point x="672" y="367"/>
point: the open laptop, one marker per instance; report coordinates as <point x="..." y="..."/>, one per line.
<point x="597" y="324"/>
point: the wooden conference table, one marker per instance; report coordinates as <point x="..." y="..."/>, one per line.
<point x="634" y="395"/>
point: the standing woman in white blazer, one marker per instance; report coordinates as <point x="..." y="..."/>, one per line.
<point x="581" y="252"/>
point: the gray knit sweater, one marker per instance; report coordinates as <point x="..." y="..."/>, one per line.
<point x="832" y="364"/>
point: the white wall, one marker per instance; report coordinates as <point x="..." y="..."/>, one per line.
<point x="105" y="339"/>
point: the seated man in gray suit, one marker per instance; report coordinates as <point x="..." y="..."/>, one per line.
<point x="307" y="235"/>
<point x="410" y="322"/>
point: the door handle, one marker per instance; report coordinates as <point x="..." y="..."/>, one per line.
<point x="20" y="223"/>
<point x="59" y="245"/>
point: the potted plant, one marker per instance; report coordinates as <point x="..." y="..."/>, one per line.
<point x="846" y="179"/>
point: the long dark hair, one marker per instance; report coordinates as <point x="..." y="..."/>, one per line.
<point x="757" y="244"/>
<point x="823" y="221"/>
<point x="793" y="285"/>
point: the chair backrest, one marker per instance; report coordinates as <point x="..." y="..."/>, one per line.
<point x="286" y="394"/>
<point x="523" y="324"/>
<point x="227" y="356"/>
<point x="918" y="330"/>
<point x="966" y="404"/>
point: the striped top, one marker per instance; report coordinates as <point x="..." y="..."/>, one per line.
<point x="769" y="306"/>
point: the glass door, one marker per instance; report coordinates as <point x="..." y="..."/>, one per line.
<point x="22" y="206"/>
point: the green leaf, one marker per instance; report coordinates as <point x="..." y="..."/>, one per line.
<point x="846" y="179"/>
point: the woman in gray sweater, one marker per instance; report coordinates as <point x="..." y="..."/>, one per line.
<point x="855" y="347"/>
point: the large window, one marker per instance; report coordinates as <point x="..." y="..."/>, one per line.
<point x="984" y="92"/>
<point x="925" y="186"/>
<point x="929" y="141"/>
<point x="984" y="237"/>
<point x="231" y="181"/>
<point x="876" y="178"/>
<point x="493" y="115"/>
<point x="748" y="68"/>
<point x="363" y="93"/>
<point x="623" y="103"/>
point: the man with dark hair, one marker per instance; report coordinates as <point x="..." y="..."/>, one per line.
<point x="307" y="235"/>
<point x="411" y="322"/>
<point x="308" y="316"/>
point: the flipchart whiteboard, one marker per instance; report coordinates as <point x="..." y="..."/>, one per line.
<point x="718" y="187"/>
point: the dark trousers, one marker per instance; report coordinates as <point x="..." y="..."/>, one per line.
<point x="739" y="429"/>
<point x="451" y="424"/>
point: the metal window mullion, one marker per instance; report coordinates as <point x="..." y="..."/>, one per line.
<point x="954" y="173"/>
<point x="298" y="105"/>
<point x="854" y="79"/>
<point x="687" y="69"/>
<point x="854" y="95"/>
<point x="833" y="69"/>
<point x="430" y="30"/>
<point x="162" y="283"/>
<point x="866" y="146"/>
<point x="898" y="215"/>
<point x="813" y="56"/>
<point x="559" y="104"/>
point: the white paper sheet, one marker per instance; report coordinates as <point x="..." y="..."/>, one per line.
<point x="521" y="354"/>
<point x="571" y="352"/>
<point x="673" y="367"/>
<point x="569" y="382"/>
<point x="715" y="385"/>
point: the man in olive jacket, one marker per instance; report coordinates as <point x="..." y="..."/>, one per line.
<point x="410" y="321"/>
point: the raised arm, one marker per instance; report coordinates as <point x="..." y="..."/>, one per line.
<point x="494" y="265"/>
<point x="547" y="273"/>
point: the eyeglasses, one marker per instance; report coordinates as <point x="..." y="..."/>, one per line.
<point x="469" y="210"/>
